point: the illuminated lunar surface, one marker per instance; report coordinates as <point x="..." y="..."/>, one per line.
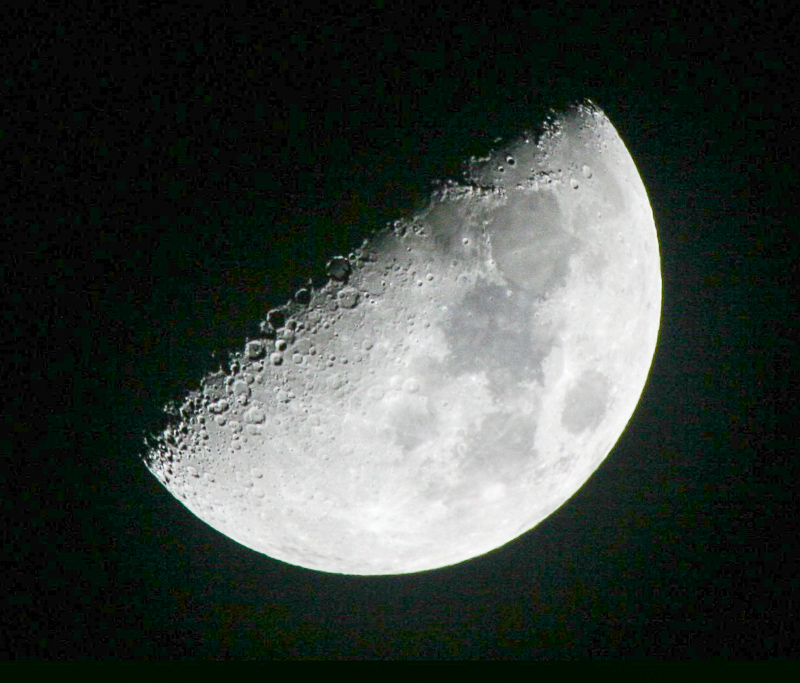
<point x="459" y="379"/>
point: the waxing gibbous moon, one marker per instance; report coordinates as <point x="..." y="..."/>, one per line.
<point x="459" y="377"/>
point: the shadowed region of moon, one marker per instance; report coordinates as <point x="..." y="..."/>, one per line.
<point x="457" y="379"/>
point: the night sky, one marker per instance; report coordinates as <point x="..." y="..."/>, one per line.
<point x="169" y="175"/>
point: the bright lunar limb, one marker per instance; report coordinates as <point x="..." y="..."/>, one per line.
<point x="456" y="381"/>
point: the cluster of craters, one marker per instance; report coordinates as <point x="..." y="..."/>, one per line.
<point x="280" y="400"/>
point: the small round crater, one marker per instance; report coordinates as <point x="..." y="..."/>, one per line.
<point x="347" y="297"/>
<point x="254" y="349"/>
<point x="338" y="268"/>
<point x="276" y="318"/>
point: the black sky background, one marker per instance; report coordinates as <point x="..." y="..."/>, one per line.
<point x="171" y="173"/>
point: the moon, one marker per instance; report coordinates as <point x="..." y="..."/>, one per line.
<point x="458" y="378"/>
